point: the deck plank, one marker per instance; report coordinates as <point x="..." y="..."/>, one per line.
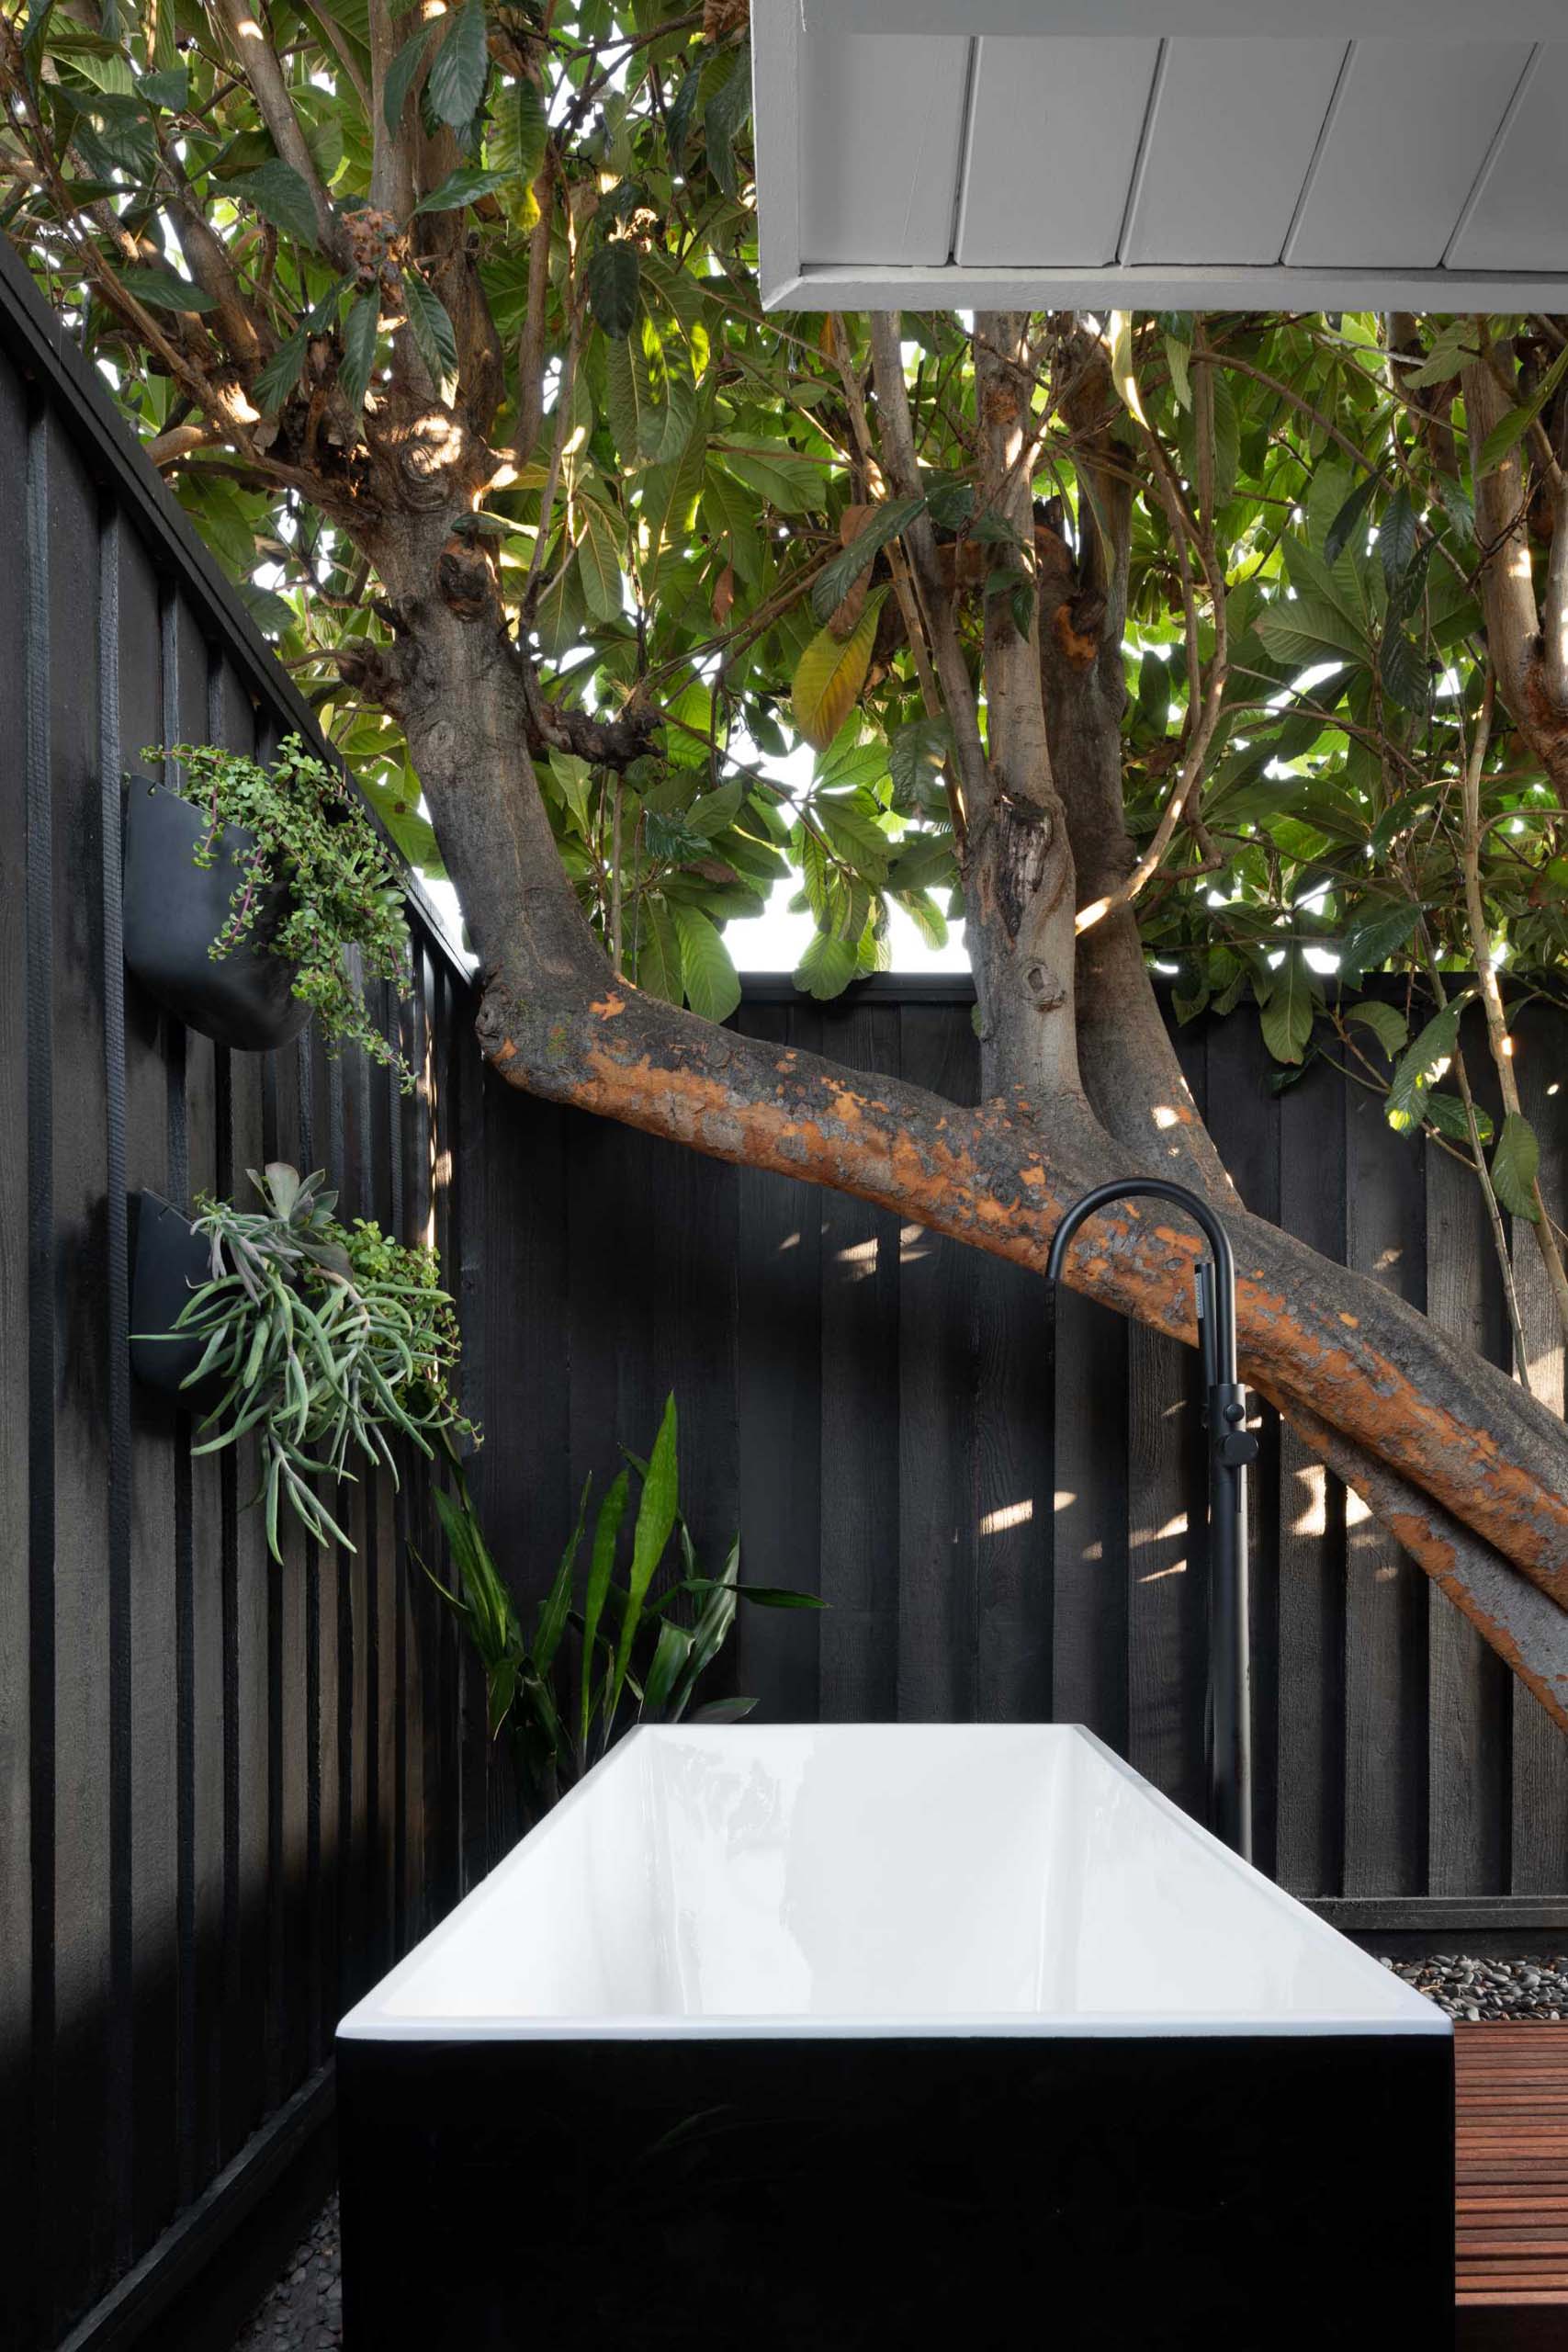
<point x="1511" y="2200"/>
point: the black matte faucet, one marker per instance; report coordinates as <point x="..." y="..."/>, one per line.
<point x="1231" y="1447"/>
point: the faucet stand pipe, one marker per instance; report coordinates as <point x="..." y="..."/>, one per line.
<point x="1232" y="1447"/>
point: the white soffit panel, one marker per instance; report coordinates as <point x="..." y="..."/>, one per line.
<point x="1052" y="139"/>
<point x="1518" y="218"/>
<point x="1228" y="20"/>
<point x="1409" y="132"/>
<point x="1354" y="155"/>
<point x="1261" y="104"/>
<point x="880" y="128"/>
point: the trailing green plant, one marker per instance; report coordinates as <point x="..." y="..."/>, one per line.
<point x="329" y="1340"/>
<point x="314" y="839"/>
<point x="614" y="1654"/>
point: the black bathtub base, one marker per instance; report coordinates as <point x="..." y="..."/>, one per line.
<point x="829" y="2195"/>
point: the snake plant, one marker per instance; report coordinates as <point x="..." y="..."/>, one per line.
<point x="614" y="1654"/>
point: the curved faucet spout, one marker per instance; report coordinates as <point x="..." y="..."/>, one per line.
<point x="1231" y="1448"/>
<point x="1192" y="1204"/>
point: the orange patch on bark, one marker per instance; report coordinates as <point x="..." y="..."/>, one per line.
<point x="607" y="1007"/>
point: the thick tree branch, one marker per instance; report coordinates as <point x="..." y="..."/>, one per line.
<point x="897" y="438"/>
<point x="1525" y="674"/>
<point x="532" y="340"/>
<point x="264" y="74"/>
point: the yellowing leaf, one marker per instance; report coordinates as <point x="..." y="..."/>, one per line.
<point x="1122" y="367"/>
<point x="830" y="675"/>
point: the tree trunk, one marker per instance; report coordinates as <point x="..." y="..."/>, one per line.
<point x="1316" y="1338"/>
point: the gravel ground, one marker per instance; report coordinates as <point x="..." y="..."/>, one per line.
<point x="304" y="2307"/>
<point x="1475" y="1990"/>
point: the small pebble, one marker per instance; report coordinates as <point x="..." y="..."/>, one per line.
<point x="304" y="2310"/>
<point x="1481" y="1990"/>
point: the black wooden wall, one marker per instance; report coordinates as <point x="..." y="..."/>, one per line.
<point x="226" y="1792"/>
<point x="1003" y="1522"/>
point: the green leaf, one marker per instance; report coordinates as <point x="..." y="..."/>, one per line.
<point x="924" y="859"/>
<point x="1386" y="1022"/>
<point x="459" y="69"/>
<point x="164" y="289"/>
<point x="709" y="978"/>
<point x="169" y="90"/>
<point x="1402" y="666"/>
<point x="282" y="372"/>
<point x="359" y="349"/>
<point x="916" y="753"/>
<point x="1515" y="1163"/>
<point x="628" y="397"/>
<point x="1287" y="1017"/>
<point x="402" y="74"/>
<point x="601" y="1567"/>
<point x="829" y="675"/>
<point x="613" y="289"/>
<point x="1510" y="430"/>
<point x="276" y="191"/>
<point x="1379" y="931"/>
<point x="708" y="817"/>
<point x="1305" y="631"/>
<point x="833" y="582"/>
<point x="1419" y="1067"/>
<point x="950" y="501"/>
<point x="557" y="1602"/>
<point x="1396" y="535"/>
<point x="431" y="332"/>
<point x="726" y="116"/>
<point x="1448" y="1115"/>
<point x="654" y="1524"/>
<point x="665" y="426"/>
<point x="533" y="131"/>
<point x="460" y="188"/>
<point x="827" y="967"/>
<point x="856" y="837"/>
<point x="599" y="560"/>
<point x="1346" y="524"/>
<point x="775" y="471"/>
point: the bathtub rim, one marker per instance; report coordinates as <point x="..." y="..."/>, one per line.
<point x="369" y="2022"/>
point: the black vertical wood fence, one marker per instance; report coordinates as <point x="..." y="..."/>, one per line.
<point x="231" y="1793"/>
<point x="1006" y="1521"/>
<point x="227" y="1791"/>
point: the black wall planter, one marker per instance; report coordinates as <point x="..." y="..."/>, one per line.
<point x="168" y="1260"/>
<point x="174" y="912"/>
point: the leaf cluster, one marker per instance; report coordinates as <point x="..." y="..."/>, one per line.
<point x="327" y="1342"/>
<point x="606" y="1651"/>
<point x="316" y="887"/>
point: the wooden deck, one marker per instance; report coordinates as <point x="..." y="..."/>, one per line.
<point x="1511" y="2089"/>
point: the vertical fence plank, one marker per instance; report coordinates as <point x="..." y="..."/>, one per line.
<point x="1468" y="1708"/>
<point x="1309" y="1761"/>
<point x="1230" y="1077"/>
<point x="200" y="1599"/>
<point x="780" y="1430"/>
<point x="857" y="1552"/>
<point x="75" y="2162"/>
<point x="39" y="997"/>
<point x="1090" y="1472"/>
<point x="1385" y="1595"/>
<point x="153" y="1859"/>
<point x="15" y="1728"/>
<point x="1538" y="1857"/>
<point x="937" y="1379"/>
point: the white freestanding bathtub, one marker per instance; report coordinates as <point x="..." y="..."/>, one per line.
<point x="816" y="2036"/>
